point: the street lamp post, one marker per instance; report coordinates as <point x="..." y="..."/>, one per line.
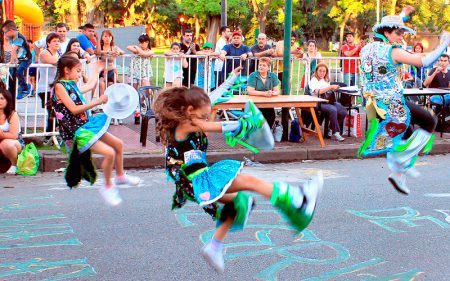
<point x="223" y="15"/>
<point x="181" y="24"/>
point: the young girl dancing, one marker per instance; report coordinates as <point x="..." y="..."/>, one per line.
<point x="183" y="121"/>
<point x="83" y="132"/>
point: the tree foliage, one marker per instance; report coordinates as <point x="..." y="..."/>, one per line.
<point x="322" y="19"/>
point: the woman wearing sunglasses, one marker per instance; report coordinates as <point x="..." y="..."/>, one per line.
<point x="388" y="112"/>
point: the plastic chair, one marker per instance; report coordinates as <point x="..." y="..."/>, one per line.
<point x="145" y="107"/>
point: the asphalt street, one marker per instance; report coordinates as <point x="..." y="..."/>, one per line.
<point x="362" y="230"/>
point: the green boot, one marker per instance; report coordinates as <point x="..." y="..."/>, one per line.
<point x="297" y="203"/>
<point x="239" y="208"/>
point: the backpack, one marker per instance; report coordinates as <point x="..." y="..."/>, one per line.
<point x="296" y="134"/>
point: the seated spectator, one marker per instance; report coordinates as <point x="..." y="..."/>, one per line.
<point x="11" y="143"/>
<point x="319" y="86"/>
<point x="88" y="39"/>
<point x="266" y="84"/>
<point x="200" y="77"/>
<point x="20" y="55"/>
<point x="175" y="62"/>
<point x="141" y="67"/>
<point x="439" y="77"/>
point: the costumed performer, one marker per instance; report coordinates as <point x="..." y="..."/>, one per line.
<point x="388" y="112"/>
<point x="183" y="116"/>
<point x="83" y="132"/>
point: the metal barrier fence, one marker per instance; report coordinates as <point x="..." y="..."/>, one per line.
<point x="164" y="71"/>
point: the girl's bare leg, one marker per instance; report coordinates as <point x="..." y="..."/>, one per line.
<point x="108" y="159"/>
<point x="117" y="145"/>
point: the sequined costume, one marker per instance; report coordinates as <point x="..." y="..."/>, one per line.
<point x="195" y="180"/>
<point x="383" y="91"/>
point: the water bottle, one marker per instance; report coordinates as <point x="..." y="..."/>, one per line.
<point x="277" y="131"/>
<point x="137" y="117"/>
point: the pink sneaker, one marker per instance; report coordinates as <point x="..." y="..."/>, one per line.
<point x="127" y="180"/>
<point x="110" y="195"/>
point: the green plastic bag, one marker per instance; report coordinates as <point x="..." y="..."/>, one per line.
<point x="28" y="160"/>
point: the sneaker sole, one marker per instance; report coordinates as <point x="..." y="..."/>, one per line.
<point x="318" y="183"/>
<point x="397" y="187"/>
<point x="210" y="261"/>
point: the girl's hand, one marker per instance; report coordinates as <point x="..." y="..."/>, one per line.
<point x="334" y="87"/>
<point x="102" y="99"/>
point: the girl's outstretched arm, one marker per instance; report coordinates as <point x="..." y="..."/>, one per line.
<point x="62" y="95"/>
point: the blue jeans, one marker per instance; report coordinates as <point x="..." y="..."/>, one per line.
<point x="20" y="72"/>
<point x="351" y="79"/>
<point x="335" y="113"/>
<point x="438" y="100"/>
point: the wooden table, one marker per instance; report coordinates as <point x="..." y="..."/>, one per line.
<point x="427" y="92"/>
<point x="297" y="101"/>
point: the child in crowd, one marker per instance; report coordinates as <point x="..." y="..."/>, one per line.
<point x="20" y="55"/>
<point x="83" y="132"/>
<point x="175" y="60"/>
<point x="32" y="70"/>
<point x="182" y="116"/>
<point x="141" y="65"/>
<point x="200" y="78"/>
<point x="108" y="52"/>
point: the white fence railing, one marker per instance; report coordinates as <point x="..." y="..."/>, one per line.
<point x="161" y="70"/>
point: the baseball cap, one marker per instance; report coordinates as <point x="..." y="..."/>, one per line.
<point x="236" y="33"/>
<point x="207" y="45"/>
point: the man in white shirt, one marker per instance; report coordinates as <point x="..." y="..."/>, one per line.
<point x="225" y="35"/>
<point x="61" y="30"/>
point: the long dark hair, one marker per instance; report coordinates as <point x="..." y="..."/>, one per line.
<point x="145" y="38"/>
<point x="9" y="110"/>
<point x="170" y="108"/>
<point x="107" y="32"/>
<point x="63" y="62"/>
<point x="69" y="46"/>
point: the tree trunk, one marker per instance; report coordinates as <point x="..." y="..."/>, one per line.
<point x="91" y="7"/>
<point x="74" y="14"/>
<point x="213" y="29"/>
<point x="197" y="28"/>
<point x="261" y="14"/>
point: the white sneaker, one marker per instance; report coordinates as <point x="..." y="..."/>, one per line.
<point x="338" y="137"/>
<point x="214" y="257"/>
<point x="110" y="195"/>
<point x="311" y="191"/>
<point x="120" y="122"/>
<point x="398" y="180"/>
<point x="12" y="170"/>
<point x="116" y="122"/>
<point x="127" y="180"/>
<point x="330" y="133"/>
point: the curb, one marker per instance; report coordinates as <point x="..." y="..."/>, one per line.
<point x="53" y="161"/>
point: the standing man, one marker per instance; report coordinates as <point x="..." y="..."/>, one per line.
<point x="189" y="48"/>
<point x="262" y="49"/>
<point x="88" y="36"/>
<point x="61" y="29"/>
<point x="350" y="50"/>
<point x="225" y="35"/>
<point x="235" y="49"/>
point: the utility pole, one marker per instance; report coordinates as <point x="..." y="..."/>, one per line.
<point x="223" y="15"/>
<point x="286" y="66"/>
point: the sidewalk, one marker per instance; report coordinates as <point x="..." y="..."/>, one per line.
<point x="152" y="156"/>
